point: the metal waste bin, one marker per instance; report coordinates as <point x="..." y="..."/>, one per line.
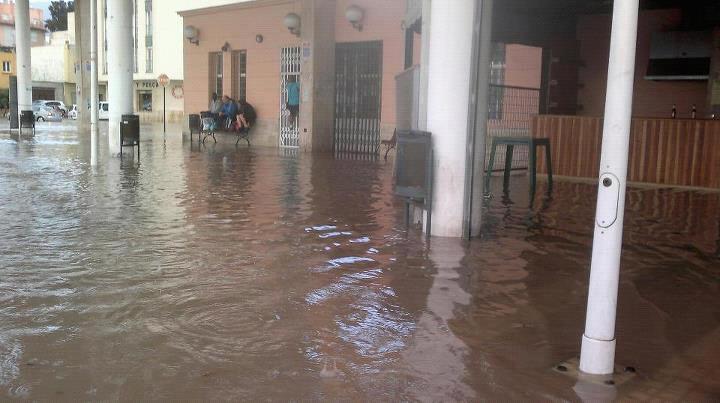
<point x="413" y="170"/>
<point x="130" y="132"/>
<point x="194" y="124"/>
<point x="27" y="119"/>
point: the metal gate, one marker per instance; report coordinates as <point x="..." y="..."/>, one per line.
<point x="289" y="67"/>
<point x="358" y="88"/>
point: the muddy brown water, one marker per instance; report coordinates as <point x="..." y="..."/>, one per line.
<point x="230" y="273"/>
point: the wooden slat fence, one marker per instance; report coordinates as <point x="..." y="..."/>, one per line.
<point x="680" y="152"/>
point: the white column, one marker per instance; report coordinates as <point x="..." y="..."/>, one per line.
<point x="449" y="69"/>
<point x="424" y="61"/>
<point x="481" y="115"/>
<point x="93" y="84"/>
<point x="22" y="54"/>
<point x="120" y="67"/>
<point x="598" y="342"/>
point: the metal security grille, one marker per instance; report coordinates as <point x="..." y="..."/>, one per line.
<point x="358" y="88"/>
<point x="289" y="67"/>
<point x="510" y="110"/>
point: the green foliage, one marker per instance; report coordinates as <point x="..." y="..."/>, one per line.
<point x="4" y="98"/>
<point x="58" y="15"/>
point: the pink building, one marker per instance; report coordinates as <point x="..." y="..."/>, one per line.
<point x="346" y="71"/>
<point x="7" y="26"/>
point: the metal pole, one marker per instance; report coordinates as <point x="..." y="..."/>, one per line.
<point x="164" y="119"/>
<point x="598" y="341"/>
<point x="93" y="84"/>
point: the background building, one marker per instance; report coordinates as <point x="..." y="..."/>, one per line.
<point x="7" y="25"/>
<point x="346" y="72"/>
<point x="53" y="67"/>
<point x="158" y="39"/>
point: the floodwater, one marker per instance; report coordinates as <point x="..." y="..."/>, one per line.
<point x="231" y="273"/>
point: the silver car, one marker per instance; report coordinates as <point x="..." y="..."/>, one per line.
<point x="46" y="114"/>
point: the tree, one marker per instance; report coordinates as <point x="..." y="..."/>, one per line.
<point x="58" y="15"/>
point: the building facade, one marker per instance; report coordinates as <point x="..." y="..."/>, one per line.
<point x="7" y="25"/>
<point x="346" y="71"/>
<point x="158" y="42"/>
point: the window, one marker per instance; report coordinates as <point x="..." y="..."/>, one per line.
<point x="6" y="67"/>
<point x="497" y="79"/>
<point x="216" y="73"/>
<point x="145" y="102"/>
<point x="239" y="75"/>
<point x="148" y="37"/>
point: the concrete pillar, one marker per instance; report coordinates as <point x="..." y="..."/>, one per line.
<point x="93" y="83"/>
<point x="120" y="67"/>
<point x="317" y="75"/>
<point x="22" y="55"/>
<point x="424" y="61"/>
<point x="449" y="80"/>
<point x="82" y="61"/>
<point x="598" y="341"/>
<point x="484" y="45"/>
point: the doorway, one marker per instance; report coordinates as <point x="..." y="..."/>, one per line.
<point x="358" y="95"/>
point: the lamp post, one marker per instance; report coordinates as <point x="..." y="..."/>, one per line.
<point x="598" y="341"/>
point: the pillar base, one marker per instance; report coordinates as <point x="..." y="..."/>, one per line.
<point x="597" y="356"/>
<point x="619" y="376"/>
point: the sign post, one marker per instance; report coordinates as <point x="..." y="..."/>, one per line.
<point x="163" y="80"/>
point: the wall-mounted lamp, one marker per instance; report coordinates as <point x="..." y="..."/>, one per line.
<point x="192" y="34"/>
<point x="259" y="38"/>
<point x="225" y="47"/>
<point x="355" y="15"/>
<point x="292" y="23"/>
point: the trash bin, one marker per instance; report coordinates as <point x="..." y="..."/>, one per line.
<point x="414" y="171"/>
<point x="194" y="123"/>
<point x="130" y="132"/>
<point x="27" y="119"/>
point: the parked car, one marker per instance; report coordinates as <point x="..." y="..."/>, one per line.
<point x="60" y="105"/>
<point x="103" y="113"/>
<point x="46" y="114"/>
<point x="73" y="112"/>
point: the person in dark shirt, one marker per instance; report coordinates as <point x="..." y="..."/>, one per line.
<point x="246" y="116"/>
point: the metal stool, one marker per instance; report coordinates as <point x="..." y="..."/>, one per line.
<point x="510" y="142"/>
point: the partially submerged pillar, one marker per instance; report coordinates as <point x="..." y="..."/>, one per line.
<point x="120" y="67"/>
<point x="93" y="84"/>
<point x="449" y="80"/>
<point x="598" y="341"/>
<point x="22" y="55"/>
<point x="82" y="60"/>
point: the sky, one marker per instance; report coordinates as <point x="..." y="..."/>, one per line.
<point x="42" y="4"/>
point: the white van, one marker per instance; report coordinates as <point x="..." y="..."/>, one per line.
<point x="103" y="113"/>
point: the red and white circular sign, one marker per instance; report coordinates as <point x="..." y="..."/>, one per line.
<point x="163" y="80"/>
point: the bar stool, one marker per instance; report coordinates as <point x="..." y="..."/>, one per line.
<point x="510" y="142"/>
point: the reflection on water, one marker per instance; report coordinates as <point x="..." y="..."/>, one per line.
<point x="218" y="272"/>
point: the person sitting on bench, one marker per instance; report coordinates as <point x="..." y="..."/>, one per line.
<point x="228" y="112"/>
<point x="245" y="116"/>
